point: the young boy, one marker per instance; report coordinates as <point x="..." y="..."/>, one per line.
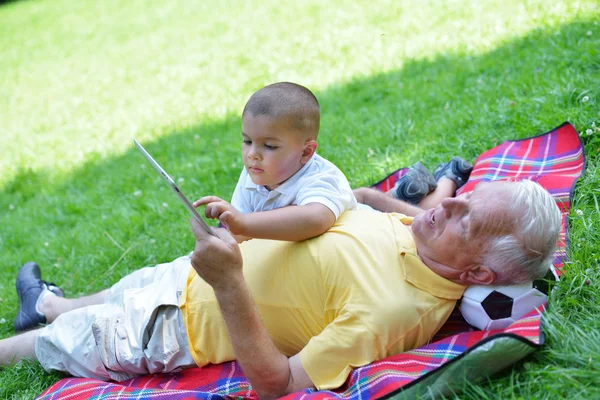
<point x="286" y="191"/>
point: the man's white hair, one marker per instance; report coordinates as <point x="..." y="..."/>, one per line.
<point x="526" y="253"/>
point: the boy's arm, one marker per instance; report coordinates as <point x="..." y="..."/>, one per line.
<point x="292" y="223"/>
<point x="240" y="238"/>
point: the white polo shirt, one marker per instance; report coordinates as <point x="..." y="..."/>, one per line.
<point x="318" y="181"/>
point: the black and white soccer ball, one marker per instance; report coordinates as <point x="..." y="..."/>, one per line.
<point x="496" y="307"/>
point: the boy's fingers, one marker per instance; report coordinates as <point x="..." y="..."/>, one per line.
<point x="206" y="200"/>
<point x="226" y="217"/>
<point x="214" y="210"/>
<point x="211" y="211"/>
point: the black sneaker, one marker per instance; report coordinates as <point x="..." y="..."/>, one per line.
<point x="413" y="186"/>
<point x="457" y="170"/>
<point x="29" y="288"/>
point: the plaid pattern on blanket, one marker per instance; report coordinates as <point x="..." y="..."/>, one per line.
<point x="554" y="159"/>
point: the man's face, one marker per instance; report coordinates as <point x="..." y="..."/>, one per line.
<point x="271" y="150"/>
<point x="452" y="237"/>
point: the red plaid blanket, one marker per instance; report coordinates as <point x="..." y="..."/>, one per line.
<point x="554" y="159"/>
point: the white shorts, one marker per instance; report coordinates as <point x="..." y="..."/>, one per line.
<point x="138" y="330"/>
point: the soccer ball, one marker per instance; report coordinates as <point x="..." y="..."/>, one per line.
<point x="496" y="307"/>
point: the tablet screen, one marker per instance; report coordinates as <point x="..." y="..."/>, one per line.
<point x="171" y="183"/>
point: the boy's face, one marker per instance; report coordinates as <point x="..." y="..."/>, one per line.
<point x="272" y="151"/>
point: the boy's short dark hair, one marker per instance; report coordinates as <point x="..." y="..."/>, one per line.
<point x="287" y="100"/>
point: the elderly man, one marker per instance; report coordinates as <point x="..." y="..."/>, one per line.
<point x="295" y="314"/>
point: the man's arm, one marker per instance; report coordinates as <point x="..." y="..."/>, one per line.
<point x="292" y="223"/>
<point x="271" y="373"/>
<point x="385" y="203"/>
<point x="219" y="262"/>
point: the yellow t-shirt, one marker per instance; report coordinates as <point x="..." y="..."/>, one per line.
<point x="356" y="294"/>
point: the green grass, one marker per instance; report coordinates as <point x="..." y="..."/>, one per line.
<point x="398" y="81"/>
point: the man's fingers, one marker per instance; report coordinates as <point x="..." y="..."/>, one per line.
<point x="200" y="234"/>
<point x="197" y="229"/>
<point x="225" y="236"/>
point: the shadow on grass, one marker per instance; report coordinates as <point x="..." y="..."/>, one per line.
<point x="5" y="2"/>
<point x="114" y="215"/>
<point x="429" y="110"/>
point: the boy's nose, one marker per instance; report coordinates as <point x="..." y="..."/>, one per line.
<point x="253" y="154"/>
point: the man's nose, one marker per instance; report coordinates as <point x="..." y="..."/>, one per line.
<point x="452" y="205"/>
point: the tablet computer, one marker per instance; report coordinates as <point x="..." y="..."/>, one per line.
<point x="171" y="183"/>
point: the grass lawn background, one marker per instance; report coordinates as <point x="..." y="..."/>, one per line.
<point x="398" y="82"/>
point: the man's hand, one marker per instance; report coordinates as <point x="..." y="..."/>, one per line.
<point x="217" y="260"/>
<point x="217" y="208"/>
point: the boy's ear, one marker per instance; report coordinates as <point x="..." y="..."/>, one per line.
<point x="310" y="147"/>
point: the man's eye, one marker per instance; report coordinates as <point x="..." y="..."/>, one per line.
<point x="269" y="147"/>
<point x="465" y="224"/>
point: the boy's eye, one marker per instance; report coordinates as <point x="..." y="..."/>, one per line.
<point x="270" y="147"/>
<point x="246" y="141"/>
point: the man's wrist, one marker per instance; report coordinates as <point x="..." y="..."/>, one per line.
<point x="230" y="287"/>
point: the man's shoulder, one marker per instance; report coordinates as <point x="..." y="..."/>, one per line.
<point x="385" y="224"/>
<point x="360" y="232"/>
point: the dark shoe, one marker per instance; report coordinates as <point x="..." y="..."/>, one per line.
<point x="457" y="170"/>
<point x="413" y="186"/>
<point x="29" y="288"/>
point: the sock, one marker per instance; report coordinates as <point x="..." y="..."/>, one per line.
<point x="41" y="298"/>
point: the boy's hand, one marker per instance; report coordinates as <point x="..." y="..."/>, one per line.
<point x="217" y="208"/>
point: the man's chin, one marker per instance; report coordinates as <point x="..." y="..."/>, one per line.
<point x="417" y="224"/>
<point x="420" y="231"/>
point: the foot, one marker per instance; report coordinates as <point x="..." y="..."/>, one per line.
<point x="413" y="186"/>
<point x="457" y="170"/>
<point x="30" y="287"/>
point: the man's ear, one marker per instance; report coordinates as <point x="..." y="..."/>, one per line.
<point x="309" y="149"/>
<point x="478" y="275"/>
